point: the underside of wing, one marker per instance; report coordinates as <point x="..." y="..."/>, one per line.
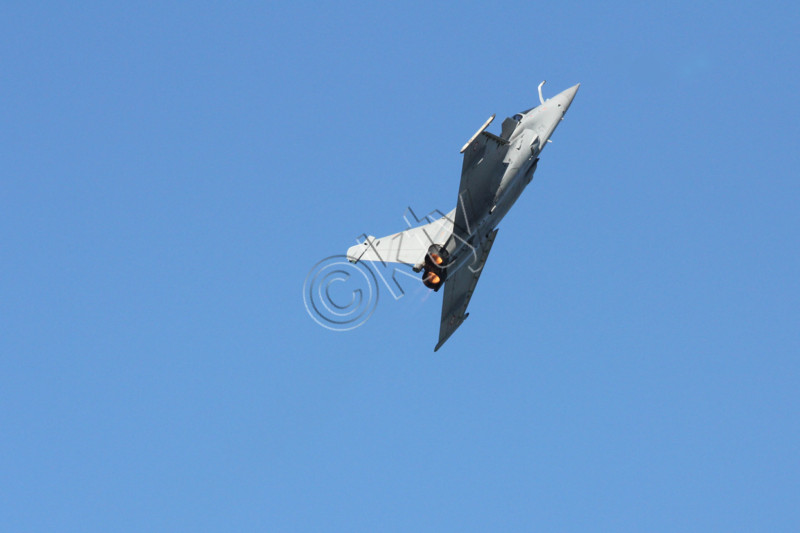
<point x="479" y="179"/>
<point x="458" y="291"/>
<point x="408" y="247"/>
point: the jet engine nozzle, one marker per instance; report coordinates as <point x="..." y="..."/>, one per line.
<point x="437" y="256"/>
<point x="432" y="280"/>
<point x="435" y="267"/>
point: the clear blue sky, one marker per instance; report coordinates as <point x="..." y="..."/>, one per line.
<point x="172" y="171"/>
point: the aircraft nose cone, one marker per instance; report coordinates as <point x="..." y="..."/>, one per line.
<point x="570" y="93"/>
<point x="567" y="96"/>
<point x="564" y="98"/>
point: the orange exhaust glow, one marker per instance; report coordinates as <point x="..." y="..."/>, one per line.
<point x="433" y="278"/>
<point x="437" y="259"/>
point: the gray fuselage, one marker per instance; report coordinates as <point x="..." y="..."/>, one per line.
<point x="508" y="171"/>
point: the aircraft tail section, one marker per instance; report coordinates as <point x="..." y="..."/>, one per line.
<point x="408" y="247"/>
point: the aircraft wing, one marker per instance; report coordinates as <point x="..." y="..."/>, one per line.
<point x="478" y="178"/>
<point x="458" y="290"/>
<point x="409" y="246"/>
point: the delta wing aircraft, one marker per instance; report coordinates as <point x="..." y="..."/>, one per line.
<point x="452" y="250"/>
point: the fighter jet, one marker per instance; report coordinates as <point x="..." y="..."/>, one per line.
<point x="452" y="250"/>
